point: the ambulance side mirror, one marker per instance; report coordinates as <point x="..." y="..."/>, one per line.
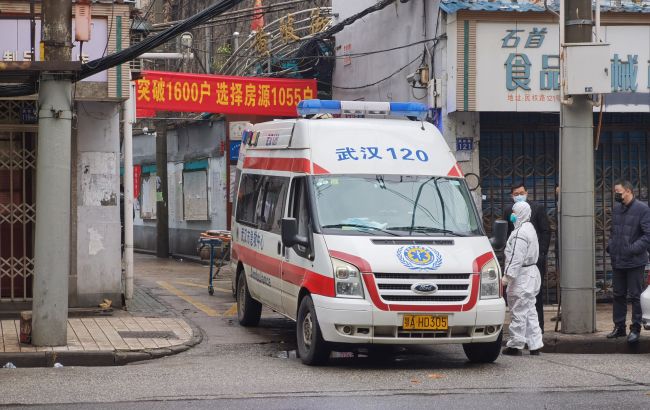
<point x="499" y="234"/>
<point x="290" y="235"/>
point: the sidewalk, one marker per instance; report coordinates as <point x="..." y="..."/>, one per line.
<point x="146" y="331"/>
<point x="594" y="343"/>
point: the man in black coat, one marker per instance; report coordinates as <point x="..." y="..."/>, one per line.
<point x="539" y="219"/>
<point x="628" y="248"/>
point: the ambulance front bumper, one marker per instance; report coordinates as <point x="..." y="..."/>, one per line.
<point x="359" y="321"/>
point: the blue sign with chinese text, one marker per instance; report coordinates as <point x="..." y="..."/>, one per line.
<point x="234" y="150"/>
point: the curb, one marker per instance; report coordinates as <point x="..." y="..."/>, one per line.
<point x="593" y="344"/>
<point x="97" y="358"/>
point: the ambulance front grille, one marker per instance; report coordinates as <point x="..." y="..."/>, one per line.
<point x="396" y="287"/>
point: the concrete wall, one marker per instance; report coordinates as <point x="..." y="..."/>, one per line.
<point x="396" y="25"/>
<point x="185" y="144"/>
<point x="456" y="124"/>
<point x="97" y="271"/>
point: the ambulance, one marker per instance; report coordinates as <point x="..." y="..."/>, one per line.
<point x="364" y="232"/>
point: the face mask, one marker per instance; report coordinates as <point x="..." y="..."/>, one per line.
<point x="520" y="198"/>
<point x="618" y="197"/>
<point x="513" y="218"/>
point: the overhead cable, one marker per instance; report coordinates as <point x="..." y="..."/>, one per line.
<point x="126" y="55"/>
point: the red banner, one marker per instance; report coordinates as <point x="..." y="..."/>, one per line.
<point x="182" y="92"/>
<point x="137" y="172"/>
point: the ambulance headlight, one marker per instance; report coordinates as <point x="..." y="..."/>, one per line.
<point x="347" y="279"/>
<point x="490" y="280"/>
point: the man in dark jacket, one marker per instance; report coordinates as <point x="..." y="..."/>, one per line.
<point x="628" y="248"/>
<point x="539" y="219"/>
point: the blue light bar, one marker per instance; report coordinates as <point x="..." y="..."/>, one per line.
<point x="308" y="107"/>
<point x="401" y="109"/>
<point x="409" y="109"/>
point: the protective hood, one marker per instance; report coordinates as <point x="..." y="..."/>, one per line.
<point x="522" y="212"/>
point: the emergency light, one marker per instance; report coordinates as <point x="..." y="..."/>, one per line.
<point x="362" y="108"/>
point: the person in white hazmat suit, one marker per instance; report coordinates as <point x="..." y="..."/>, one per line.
<point x="523" y="282"/>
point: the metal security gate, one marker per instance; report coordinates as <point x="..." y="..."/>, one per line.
<point x="516" y="148"/>
<point x="17" y="214"/>
<point x="524" y="147"/>
<point x="623" y="153"/>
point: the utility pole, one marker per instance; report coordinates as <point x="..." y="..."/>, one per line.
<point x="52" y="236"/>
<point x="577" y="186"/>
<point x="162" y="215"/>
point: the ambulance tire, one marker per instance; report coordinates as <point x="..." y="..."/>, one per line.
<point x="315" y="351"/>
<point x="249" y="310"/>
<point x="483" y="352"/>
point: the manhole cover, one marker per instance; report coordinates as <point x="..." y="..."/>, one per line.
<point x="148" y="335"/>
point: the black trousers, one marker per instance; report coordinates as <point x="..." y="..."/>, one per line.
<point x="539" y="300"/>
<point x="628" y="284"/>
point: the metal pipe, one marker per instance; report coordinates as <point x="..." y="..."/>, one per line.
<point x="235" y="40"/>
<point x="234" y="14"/>
<point x="597" y="39"/>
<point x="166" y="56"/>
<point x="129" y="117"/>
<point x="208" y="50"/>
<point x="162" y="215"/>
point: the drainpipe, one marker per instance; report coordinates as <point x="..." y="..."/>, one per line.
<point x="129" y="118"/>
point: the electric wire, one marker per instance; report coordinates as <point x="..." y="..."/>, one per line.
<point x="383" y="79"/>
<point x="337" y="57"/>
<point x="128" y="54"/>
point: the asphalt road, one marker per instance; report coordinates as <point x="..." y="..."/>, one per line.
<point x="239" y="368"/>
<point x="500" y="401"/>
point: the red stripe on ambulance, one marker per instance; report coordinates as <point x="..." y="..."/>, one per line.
<point x="298" y="165"/>
<point x="455" y="172"/>
<point x="316" y="283"/>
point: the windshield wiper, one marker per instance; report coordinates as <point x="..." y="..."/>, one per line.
<point x="340" y="226"/>
<point x="425" y="229"/>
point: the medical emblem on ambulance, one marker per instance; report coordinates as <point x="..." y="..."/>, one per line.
<point x="419" y="257"/>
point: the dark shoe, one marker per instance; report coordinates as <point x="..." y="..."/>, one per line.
<point x="511" y="351"/>
<point x="617" y="332"/>
<point x="633" y="337"/>
<point x="535" y="352"/>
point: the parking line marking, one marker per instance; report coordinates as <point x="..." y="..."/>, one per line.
<point x="232" y="311"/>
<point x="204" y="308"/>
<point x="196" y="285"/>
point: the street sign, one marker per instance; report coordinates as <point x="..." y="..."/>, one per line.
<point x="234" y="150"/>
<point x="464" y="144"/>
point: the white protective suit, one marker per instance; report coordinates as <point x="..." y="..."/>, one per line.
<point x="524" y="281"/>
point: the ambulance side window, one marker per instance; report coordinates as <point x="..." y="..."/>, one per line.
<point x="299" y="209"/>
<point x="271" y="205"/>
<point x="247" y="197"/>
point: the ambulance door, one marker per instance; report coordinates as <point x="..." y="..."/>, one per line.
<point x="269" y="215"/>
<point x="298" y="258"/>
<point x="247" y="234"/>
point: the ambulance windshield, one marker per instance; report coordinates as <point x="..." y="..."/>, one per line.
<point x="396" y="205"/>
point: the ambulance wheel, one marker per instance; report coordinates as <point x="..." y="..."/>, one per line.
<point x="312" y="348"/>
<point x="248" y="309"/>
<point x="483" y="352"/>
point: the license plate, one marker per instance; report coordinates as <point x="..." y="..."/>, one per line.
<point x="425" y="322"/>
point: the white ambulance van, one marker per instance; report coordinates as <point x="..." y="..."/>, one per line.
<point x="363" y="231"/>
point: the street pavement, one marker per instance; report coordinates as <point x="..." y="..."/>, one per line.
<point x="242" y="368"/>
